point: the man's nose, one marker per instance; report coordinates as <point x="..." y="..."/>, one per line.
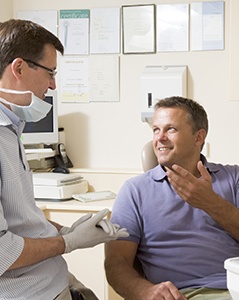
<point x="52" y="84"/>
<point x="162" y="136"/>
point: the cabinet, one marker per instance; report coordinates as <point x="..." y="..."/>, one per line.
<point x="86" y="264"/>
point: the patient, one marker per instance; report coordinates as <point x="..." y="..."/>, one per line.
<point x="182" y="215"/>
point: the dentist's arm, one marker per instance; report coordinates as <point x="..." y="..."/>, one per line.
<point x="93" y="231"/>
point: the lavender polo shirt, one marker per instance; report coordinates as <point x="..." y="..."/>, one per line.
<point x="177" y="242"/>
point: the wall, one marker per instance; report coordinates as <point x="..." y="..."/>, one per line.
<point x="111" y="135"/>
<point x="6" y="9"/>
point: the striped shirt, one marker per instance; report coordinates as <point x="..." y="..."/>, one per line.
<point x="20" y="217"/>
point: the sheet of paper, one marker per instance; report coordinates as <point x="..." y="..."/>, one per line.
<point x="105" y="30"/>
<point x="207" y="26"/>
<point x="104" y="78"/>
<point x="172" y="27"/>
<point x="46" y="18"/>
<point x="74" y="79"/>
<point x="139" y="29"/>
<point x="74" y="31"/>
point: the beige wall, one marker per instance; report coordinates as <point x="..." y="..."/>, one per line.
<point x="6" y="10"/>
<point x="111" y="135"/>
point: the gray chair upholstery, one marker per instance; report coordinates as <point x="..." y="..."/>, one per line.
<point x="148" y="158"/>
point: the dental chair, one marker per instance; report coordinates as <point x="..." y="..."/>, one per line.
<point x="149" y="161"/>
<point x="75" y="295"/>
<point x="83" y="294"/>
<point x="148" y="158"/>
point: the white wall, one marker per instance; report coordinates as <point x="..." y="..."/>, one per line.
<point x="111" y="135"/>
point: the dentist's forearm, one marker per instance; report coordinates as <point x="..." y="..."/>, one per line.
<point x="36" y="250"/>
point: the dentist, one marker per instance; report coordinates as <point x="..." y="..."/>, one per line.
<point x="31" y="248"/>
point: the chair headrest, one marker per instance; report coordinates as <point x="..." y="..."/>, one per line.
<point x="148" y="158"/>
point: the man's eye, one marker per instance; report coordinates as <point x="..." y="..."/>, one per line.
<point x="52" y="74"/>
<point x="155" y="130"/>
<point x="171" y="129"/>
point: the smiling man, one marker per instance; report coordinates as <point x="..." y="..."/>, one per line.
<point x="182" y="215"/>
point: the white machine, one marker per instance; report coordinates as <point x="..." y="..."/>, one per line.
<point x="48" y="185"/>
<point x="158" y="82"/>
<point x="232" y="267"/>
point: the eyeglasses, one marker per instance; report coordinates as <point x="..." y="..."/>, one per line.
<point x="52" y="72"/>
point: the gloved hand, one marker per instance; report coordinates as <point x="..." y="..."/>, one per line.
<point x="108" y="227"/>
<point x="65" y="230"/>
<point x="93" y="231"/>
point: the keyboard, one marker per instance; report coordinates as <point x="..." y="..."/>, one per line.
<point x="94" y="196"/>
<point x="39" y="150"/>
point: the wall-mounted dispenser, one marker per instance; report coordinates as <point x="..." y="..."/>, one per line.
<point x="158" y="82"/>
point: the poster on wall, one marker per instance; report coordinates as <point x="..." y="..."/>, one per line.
<point x="104" y="78"/>
<point x="74" y="31"/>
<point x="74" y="79"/>
<point x="105" y="30"/>
<point x="207" y="26"/>
<point x="172" y="27"/>
<point x="45" y="18"/>
<point x="139" y="31"/>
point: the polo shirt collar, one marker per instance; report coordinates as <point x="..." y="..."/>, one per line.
<point x="158" y="173"/>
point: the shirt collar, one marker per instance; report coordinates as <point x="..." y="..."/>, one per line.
<point x="11" y="119"/>
<point x="211" y="167"/>
<point x="158" y="173"/>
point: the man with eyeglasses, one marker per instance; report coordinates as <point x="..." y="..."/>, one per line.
<point x="31" y="247"/>
<point x="31" y="63"/>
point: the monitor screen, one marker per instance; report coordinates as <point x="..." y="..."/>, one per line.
<point x="44" y="131"/>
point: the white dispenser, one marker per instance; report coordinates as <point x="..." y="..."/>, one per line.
<point x="159" y="82"/>
<point x="232" y="267"/>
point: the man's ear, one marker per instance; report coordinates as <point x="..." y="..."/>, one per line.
<point x="200" y="136"/>
<point x="17" y="67"/>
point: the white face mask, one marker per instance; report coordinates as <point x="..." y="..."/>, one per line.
<point x="33" y="112"/>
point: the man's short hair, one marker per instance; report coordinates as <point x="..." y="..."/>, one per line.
<point x="25" y="39"/>
<point x="196" y="113"/>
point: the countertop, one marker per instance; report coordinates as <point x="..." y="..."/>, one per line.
<point x="74" y="205"/>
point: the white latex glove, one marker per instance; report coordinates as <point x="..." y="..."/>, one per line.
<point x="93" y="231"/>
<point x="112" y="229"/>
<point x="108" y="227"/>
<point x="65" y="230"/>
